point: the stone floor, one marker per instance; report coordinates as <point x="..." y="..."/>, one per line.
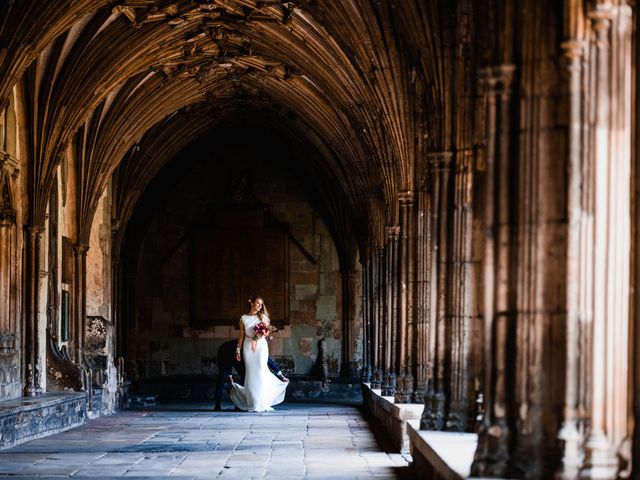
<point x="297" y="441"/>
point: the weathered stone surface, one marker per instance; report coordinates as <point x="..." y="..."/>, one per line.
<point x="291" y="443"/>
<point x="22" y="419"/>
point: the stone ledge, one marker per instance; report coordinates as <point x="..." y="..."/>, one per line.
<point x="392" y="416"/>
<point x="441" y="455"/>
<point x="28" y="418"/>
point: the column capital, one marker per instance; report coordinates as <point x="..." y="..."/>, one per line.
<point x="601" y="16"/>
<point x="392" y="232"/>
<point x="573" y="48"/>
<point x="601" y="13"/>
<point x="504" y="75"/>
<point x="7" y="217"/>
<point x="406" y="198"/>
<point x="80" y="249"/>
<point x="485" y="74"/>
<point x="33" y="230"/>
<point x="440" y="160"/>
<point x="9" y="163"/>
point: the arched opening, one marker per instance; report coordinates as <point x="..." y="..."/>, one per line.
<point x="236" y="212"/>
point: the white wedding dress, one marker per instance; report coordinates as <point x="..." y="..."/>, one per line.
<point x="262" y="389"/>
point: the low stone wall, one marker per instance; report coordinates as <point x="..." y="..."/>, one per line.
<point x="441" y="455"/>
<point x="436" y="455"/>
<point x="392" y="416"/>
<point x="26" y="418"/>
<point x="304" y="388"/>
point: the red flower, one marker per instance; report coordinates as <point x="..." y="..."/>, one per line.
<point x="261" y="329"/>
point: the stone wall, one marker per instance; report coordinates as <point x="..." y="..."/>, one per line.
<point x="12" y="208"/>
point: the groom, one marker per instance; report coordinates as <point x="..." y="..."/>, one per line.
<point x="227" y="362"/>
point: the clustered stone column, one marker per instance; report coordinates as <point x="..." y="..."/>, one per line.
<point x="80" y="310"/>
<point x="542" y="202"/>
<point x="367" y="294"/>
<point x="578" y="220"/>
<point x="377" y="300"/>
<point x="434" y="413"/>
<point x="404" y="392"/>
<point x="349" y="369"/>
<point x="33" y="236"/>
<point x="611" y="60"/>
<point x="422" y="308"/>
<point x="7" y="222"/>
<point x="390" y="312"/>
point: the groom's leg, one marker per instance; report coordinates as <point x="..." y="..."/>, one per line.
<point x="239" y="366"/>
<point x="275" y="368"/>
<point x="223" y="373"/>
<point x="226" y="353"/>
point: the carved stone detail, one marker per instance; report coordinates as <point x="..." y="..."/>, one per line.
<point x="7" y="343"/>
<point x="62" y="374"/>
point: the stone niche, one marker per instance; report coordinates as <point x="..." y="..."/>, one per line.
<point x="226" y="230"/>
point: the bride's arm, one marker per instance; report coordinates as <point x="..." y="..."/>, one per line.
<point x="240" y="340"/>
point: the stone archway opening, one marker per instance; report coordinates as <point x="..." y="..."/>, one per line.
<point x="235" y="213"/>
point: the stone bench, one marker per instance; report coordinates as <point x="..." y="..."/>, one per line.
<point x="441" y="455"/>
<point x="392" y="416"/>
<point x="27" y="418"/>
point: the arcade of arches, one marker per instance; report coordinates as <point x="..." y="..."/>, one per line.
<point x="442" y="192"/>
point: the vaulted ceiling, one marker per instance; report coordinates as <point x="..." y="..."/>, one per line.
<point x="358" y="80"/>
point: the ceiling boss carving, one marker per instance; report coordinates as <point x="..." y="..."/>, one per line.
<point x="328" y="72"/>
<point x="215" y="36"/>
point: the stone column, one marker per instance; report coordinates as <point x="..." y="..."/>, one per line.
<point x="385" y="337"/>
<point x="409" y="379"/>
<point x="366" y="319"/>
<point x="423" y="293"/>
<point x="349" y="369"/>
<point x="32" y="293"/>
<point x="635" y="358"/>
<point x="461" y="297"/>
<point x="7" y="219"/>
<point x="433" y="417"/>
<point x="576" y="279"/>
<point x="389" y="387"/>
<point x="378" y="318"/>
<point x="80" y="303"/>
<point x="611" y="56"/>
<point x="404" y="392"/>
<point x="117" y="307"/>
<point x="492" y="455"/>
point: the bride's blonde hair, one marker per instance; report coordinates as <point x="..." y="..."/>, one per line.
<point x="263" y="312"/>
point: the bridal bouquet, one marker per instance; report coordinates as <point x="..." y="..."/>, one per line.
<point x="260" y="330"/>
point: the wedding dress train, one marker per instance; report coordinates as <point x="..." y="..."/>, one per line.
<point x="261" y="388"/>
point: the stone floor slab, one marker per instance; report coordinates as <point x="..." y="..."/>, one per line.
<point x="297" y="441"/>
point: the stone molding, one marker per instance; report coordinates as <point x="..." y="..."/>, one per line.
<point x="392" y="232"/>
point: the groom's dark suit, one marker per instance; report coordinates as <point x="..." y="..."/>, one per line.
<point x="227" y="362"/>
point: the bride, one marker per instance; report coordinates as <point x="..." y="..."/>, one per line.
<point x="261" y="388"/>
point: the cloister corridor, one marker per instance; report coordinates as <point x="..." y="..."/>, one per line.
<point x="190" y="441"/>
<point x="435" y="202"/>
